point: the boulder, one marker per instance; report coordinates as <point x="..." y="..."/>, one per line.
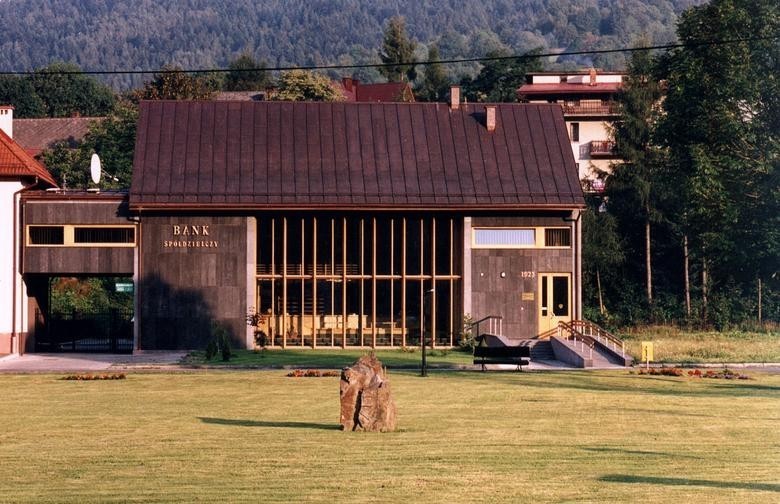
<point x="366" y="401"/>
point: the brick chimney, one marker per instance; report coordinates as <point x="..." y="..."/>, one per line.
<point x="455" y="97"/>
<point x="349" y="83"/>
<point x="490" y="118"/>
<point x="7" y="119"/>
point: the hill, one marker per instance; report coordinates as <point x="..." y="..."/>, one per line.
<point x="145" y="34"/>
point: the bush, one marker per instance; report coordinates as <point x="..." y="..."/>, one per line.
<point x="211" y="349"/>
<point x="219" y="344"/>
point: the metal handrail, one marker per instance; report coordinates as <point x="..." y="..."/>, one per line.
<point x="576" y="336"/>
<point x="496" y="321"/>
<point x="600" y="334"/>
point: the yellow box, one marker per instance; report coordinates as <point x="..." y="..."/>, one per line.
<point x="647" y="351"/>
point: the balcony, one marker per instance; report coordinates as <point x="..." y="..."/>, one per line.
<point x="605" y="108"/>
<point x="602" y="149"/>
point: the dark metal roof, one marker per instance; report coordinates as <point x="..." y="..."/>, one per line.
<point x="252" y="155"/>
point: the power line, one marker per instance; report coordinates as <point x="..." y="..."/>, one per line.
<point x="519" y="57"/>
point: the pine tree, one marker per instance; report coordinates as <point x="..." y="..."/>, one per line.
<point x="435" y="84"/>
<point x="634" y="183"/>
<point x="398" y="52"/>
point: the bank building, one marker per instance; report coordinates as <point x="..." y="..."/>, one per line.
<point x="326" y="224"/>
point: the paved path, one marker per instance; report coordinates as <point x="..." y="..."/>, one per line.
<point x="43" y="362"/>
<point x="169" y="360"/>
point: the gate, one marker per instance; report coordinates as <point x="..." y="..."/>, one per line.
<point x="109" y="331"/>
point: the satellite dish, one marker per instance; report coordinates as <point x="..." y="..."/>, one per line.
<point x="94" y="168"/>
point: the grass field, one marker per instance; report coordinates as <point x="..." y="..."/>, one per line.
<point x="678" y="346"/>
<point x="258" y="436"/>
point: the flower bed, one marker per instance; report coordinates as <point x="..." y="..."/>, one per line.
<point x="310" y="373"/>
<point x="92" y="377"/>
<point x="726" y="373"/>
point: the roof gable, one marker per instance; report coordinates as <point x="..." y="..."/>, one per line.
<point x="351" y="155"/>
<point x="36" y="135"/>
<point x="15" y="162"/>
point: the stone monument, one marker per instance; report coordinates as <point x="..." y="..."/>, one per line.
<point x="366" y="401"/>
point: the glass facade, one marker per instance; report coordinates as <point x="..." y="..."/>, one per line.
<point x="344" y="280"/>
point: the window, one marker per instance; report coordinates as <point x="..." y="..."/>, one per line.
<point x="504" y="237"/>
<point x="575" y="132"/>
<point x="517" y="237"/>
<point x="103" y="235"/>
<point x="557" y="237"/>
<point x="70" y="235"/>
<point x="46" y="235"/>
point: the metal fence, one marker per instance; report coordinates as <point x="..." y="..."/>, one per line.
<point x="109" y="331"/>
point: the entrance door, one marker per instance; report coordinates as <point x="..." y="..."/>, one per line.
<point x="554" y="300"/>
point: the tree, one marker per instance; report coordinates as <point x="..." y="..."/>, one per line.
<point x="20" y="93"/>
<point x="301" y="85"/>
<point x="602" y="252"/>
<point x="247" y="74"/>
<point x="173" y="83"/>
<point x="398" y="52"/>
<point x="435" y="84"/>
<point x="113" y="139"/>
<point x="634" y="181"/>
<point x="499" y="79"/>
<point x="65" y="91"/>
<point x="721" y="128"/>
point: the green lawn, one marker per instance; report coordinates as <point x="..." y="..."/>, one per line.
<point x="257" y="436"/>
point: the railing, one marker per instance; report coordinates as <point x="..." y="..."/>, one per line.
<point x="599" y="334"/>
<point x="567" y="331"/>
<point x="546" y="334"/>
<point x="495" y="322"/>
<point x="602" y="148"/>
<point x="606" y="108"/>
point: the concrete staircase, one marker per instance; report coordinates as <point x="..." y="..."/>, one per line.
<point x="584" y="344"/>
<point x="541" y="350"/>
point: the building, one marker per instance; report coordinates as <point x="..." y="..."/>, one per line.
<point x="354" y="91"/>
<point x="19" y="172"/>
<point x="589" y="107"/>
<point x="37" y="135"/>
<point x="329" y="224"/>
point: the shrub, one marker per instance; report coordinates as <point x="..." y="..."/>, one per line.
<point x="220" y="343"/>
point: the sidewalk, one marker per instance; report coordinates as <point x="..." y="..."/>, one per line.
<point x="48" y="362"/>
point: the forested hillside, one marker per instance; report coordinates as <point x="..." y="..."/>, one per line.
<point x="146" y="34"/>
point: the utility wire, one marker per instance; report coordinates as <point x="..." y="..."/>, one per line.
<point x="520" y="57"/>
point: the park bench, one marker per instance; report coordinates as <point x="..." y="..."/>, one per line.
<point x="493" y="349"/>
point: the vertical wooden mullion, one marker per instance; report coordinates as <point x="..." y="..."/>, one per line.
<point x="273" y="323"/>
<point x="373" y="284"/>
<point x="452" y="283"/>
<point x="433" y="282"/>
<point x="314" y="283"/>
<point x="392" y="282"/>
<point x="302" y="273"/>
<point x="421" y="315"/>
<point x="332" y="274"/>
<point x="403" y="281"/>
<point x="344" y="284"/>
<point x="284" y="282"/>
<point x="361" y="305"/>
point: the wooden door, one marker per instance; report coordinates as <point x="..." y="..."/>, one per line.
<point x="554" y="300"/>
